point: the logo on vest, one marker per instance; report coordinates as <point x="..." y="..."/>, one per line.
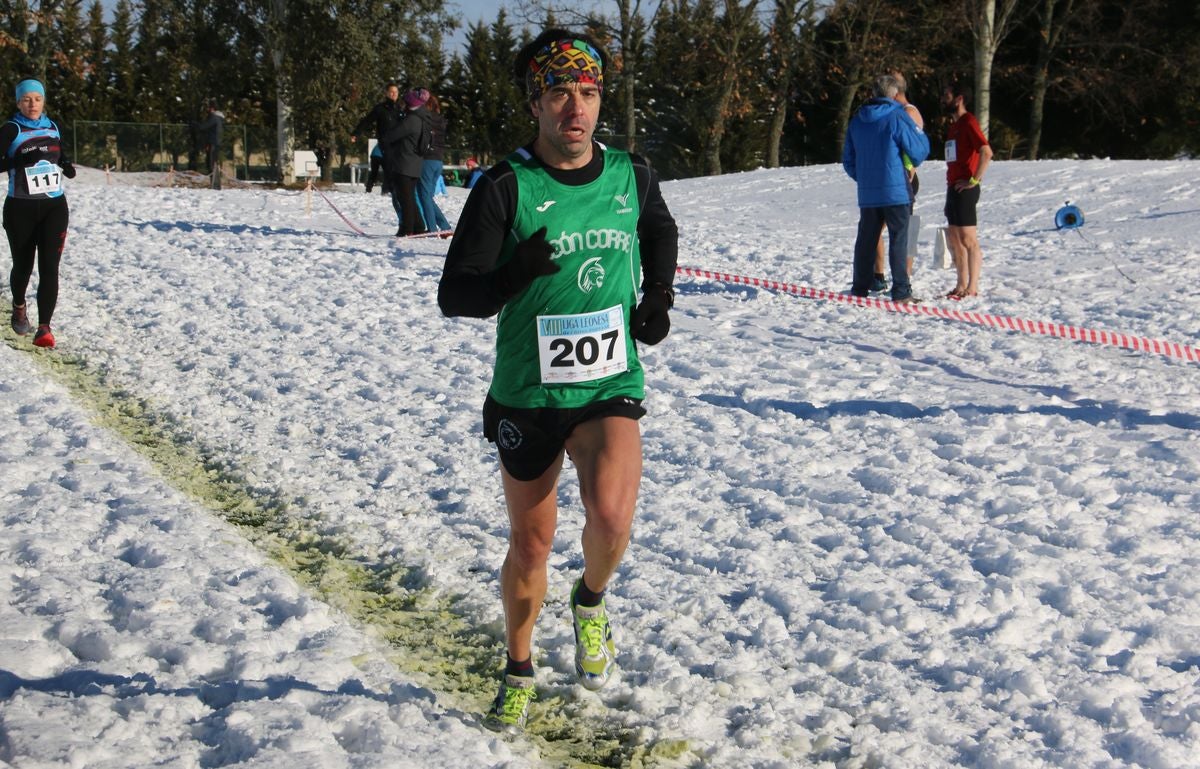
<point x="545" y="206"/>
<point x="592" y="240"/>
<point x="624" y="201"/>
<point x="591" y="275"/>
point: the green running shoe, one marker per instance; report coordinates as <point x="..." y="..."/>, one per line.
<point x="595" y="653"/>
<point x="510" y="711"/>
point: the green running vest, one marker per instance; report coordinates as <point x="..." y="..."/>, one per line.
<point x="564" y="341"/>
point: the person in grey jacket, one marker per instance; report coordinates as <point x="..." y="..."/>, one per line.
<point x="880" y="136"/>
<point x="403" y="160"/>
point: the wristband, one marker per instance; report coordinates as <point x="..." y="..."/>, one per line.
<point x="974" y="182"/>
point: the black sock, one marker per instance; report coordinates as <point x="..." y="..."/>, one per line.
<point x="514" y="668"/>
<point x="585" y="597"/>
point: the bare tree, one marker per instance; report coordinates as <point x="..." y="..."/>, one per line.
<point x="736" y="23"/>
<point x="991" y="21"/>
<point x="783" y="65"/>
<point x="1053" y="16"/>
<point x="863" y="27"/>
<point x="270" y="18"/>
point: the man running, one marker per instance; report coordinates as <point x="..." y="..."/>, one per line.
<point x="556" y="239"/>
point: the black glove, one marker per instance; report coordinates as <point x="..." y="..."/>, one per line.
<point x="650" y="322"/>
<point x="68" y="170"/>
<point x="530" y="260"/>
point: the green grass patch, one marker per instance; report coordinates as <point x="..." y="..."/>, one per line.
<point x="431" y="639"/>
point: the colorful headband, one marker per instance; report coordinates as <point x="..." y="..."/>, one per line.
<point x="564" y="61"/>
<point x="30" y="86"/>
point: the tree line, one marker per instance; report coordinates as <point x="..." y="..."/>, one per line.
<point x="701" y="87"/>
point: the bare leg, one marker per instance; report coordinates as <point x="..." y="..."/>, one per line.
<point x="608" y="457"/>
<point x="959" y="254"/>
<point x="973" y="259"/>
<point x="532" y="515"/>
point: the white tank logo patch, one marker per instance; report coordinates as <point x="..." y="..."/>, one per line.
<point x="591" y="275"/>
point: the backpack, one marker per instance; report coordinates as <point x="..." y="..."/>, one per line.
<point x="425" y="138"/>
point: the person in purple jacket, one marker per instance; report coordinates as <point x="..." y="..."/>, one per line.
<point x="881" y="134"/>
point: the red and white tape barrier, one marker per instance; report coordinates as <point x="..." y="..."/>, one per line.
<point x="349" y="223"/>
<point x="435" y="234"/>
<point x="1038" y="327"/>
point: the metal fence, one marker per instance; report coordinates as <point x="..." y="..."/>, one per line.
<point x="247" y="154"/>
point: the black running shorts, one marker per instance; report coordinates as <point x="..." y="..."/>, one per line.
<point x="960" y="206"/>
<point x="530" y="440"/>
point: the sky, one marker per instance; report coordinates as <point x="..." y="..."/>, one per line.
<point x="249" y="519"/>
<point x="470" y="12"/>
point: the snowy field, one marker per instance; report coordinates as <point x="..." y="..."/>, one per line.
<point x="249" y="519"/>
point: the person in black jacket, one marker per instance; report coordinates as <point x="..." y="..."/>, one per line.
<point x="431" y="170"/>
<point x="382" y="117"/>
<point x="35" y="211"/>
<point x="403" y="160"/>
<point x="209" y="131"/>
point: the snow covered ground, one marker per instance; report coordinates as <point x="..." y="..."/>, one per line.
<point x="249" y="518"/>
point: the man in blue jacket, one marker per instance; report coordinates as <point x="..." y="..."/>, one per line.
<point x="880" y="136"/>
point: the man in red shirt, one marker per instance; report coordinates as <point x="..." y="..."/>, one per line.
<point x="967" y="157"/>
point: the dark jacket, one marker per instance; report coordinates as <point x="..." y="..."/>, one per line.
<point x="208" y="130"/>
<point x="437" y="124"/>
<point x="382" y="117"/>
<point x="400" y="156"/>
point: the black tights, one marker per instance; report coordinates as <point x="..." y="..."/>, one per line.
<point x="36" y="227"/>
<point x="404" y="200"/>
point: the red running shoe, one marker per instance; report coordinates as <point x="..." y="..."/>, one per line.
<point x="43" y="337"/>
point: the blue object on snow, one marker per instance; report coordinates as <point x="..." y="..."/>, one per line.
<point x="1068" y="218"/>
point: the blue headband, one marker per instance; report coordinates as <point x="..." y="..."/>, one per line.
<point x="27" y="86"/>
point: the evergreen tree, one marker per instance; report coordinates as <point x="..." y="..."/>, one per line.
<point x="163" y="55"/>
<point x="27" y="37"/>
<point x="677" y="69"/>
<point x="40" y="36"/>
<point x="95" y="104"/>
<point x="121" y="79"/>
<point x="488" y="103"/>
<point x="15" y="21"/>
<point x="68" y="64"/>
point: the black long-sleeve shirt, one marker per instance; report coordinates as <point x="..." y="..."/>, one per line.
<point x="382" y="117"/>
<point x="468" y="286"/>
